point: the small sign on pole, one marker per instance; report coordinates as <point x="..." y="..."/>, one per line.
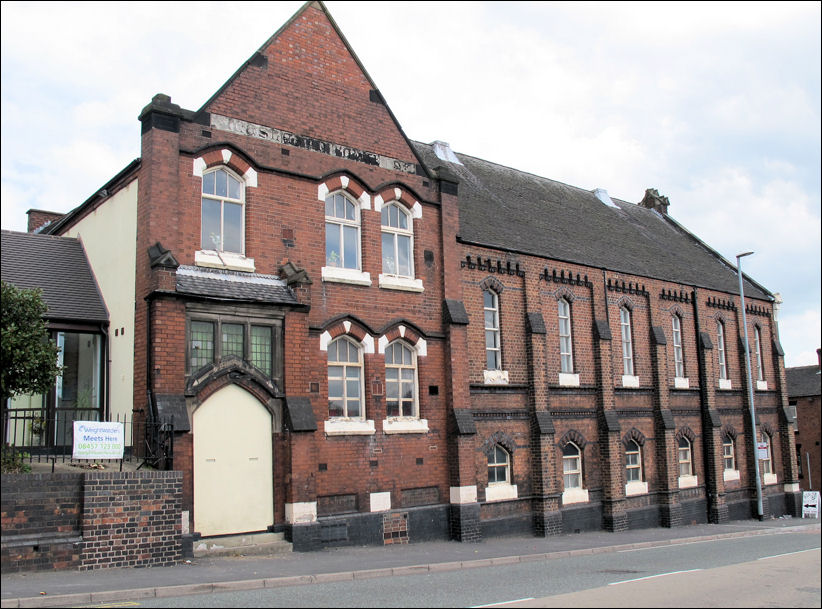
<point x="762" y="450"/>
<point x="810" y="504"/>
<point x="98" y="440"/>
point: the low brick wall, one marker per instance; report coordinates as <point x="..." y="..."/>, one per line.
<point x="90" y="520"/>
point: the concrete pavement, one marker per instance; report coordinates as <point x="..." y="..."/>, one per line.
<point x="210" y="574"/>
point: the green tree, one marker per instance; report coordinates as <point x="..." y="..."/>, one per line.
<point x="28" y="363"/>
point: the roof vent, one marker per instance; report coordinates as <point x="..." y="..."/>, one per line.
<point x="444" y="152"/>
<point x="602" y="195"/>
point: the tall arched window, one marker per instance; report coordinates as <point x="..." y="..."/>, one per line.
<point x="499" y="466"/>
<point x="397" y="241"/>
<point x="765" y="454"/>
<point x="627" y="343"/>
<point x="728" y="452"/>
<point x="222" y="225"/>
<point x="686" y="466"/>
<point x="679" y="359"/>
<point x="571" y="466"/>
<point x="493" y="359"/>
<point x="400" y="381"/>
<point x="720" y="347"/>
<point x="345" y="379"/>
<point x="342" y="232"/>
<point x="633" y="462"/>
<point x="566" y="355"/>
<point x="760" y="373"/>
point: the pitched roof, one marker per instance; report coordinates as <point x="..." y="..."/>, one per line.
<point x="803" y="381"/>
<point x="59" y="267"/>
<point x="233" y="285"/>
<point x="504" y="208"/>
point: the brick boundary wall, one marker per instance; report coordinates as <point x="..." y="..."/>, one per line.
<point x="90" y="521"/>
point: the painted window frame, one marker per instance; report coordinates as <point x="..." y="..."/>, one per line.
<point x="572" y="466"/>
<point x="222" y="200"/>
<point x="493" y="330"/>
<point x="496" y="465"/>
<point x="728" y="453"/>
<point x="760" y="372"/>
<point x="339" y="224"/>
<point x="566" y="342"/>
<point x="685" y="456"/>
<point x="411" y="367"/>
<point x="345" y="380"/>
<point x="396" y="233"/>
<point x="627" y="341"/>
<point x="679" y="354"/>
<point x="217" y="321"/>
<point x="633" y="468"/>
<point x="721" y="351"/>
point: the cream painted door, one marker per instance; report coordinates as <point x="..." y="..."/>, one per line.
<point x="233" y="487"/>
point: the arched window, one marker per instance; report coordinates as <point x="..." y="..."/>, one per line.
<point x="633" y="462"/>
<point x="765" y="454"/>
<point x="342" y="232"/>
<point x="222" y="225"/>
<point x="686" y="466"/>
<point x="397" y="241"/>
<point x="571" y="466"/>
<point x="679" y="359"/>
<point x="728" y="452"/>
<point x="760" y="374"/>
<point x="566" y="355"/>
<point x="499" y="466"/>
<point x="627" y="344"/>
<point x="400" y="381"/>
<point x="720" y="349"/>
<point x="345" y="379"/>
<point x="493" y="359"/>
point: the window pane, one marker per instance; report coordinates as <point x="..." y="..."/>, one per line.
<point x="404" y="255"/>
<point x="261" y="348"/>
<point x="208" y="183"/>
<point x="233" y="188"/>
<point x="232" y="340"/>
<point x="221" y="189"/>
<point x="202" y="344"/>
<point x="335" y="408"/>
<point x="333" y="252"/>
<point x="353" y="408"/>
<point x="350" y="211"/>
<point x="335" y="388"/>
<point x="350" y="236"/>
<point x="489" y="300"/>
<point x="389" y="259"/>
<point x="210" y="225"/>
<point x="233" y="228"/>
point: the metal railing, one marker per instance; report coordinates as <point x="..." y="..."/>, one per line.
<point x="31" y="435"/>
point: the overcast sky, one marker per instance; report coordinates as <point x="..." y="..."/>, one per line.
<point x="715" y="105"/>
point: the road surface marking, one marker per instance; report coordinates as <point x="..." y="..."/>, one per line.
<point x="639" y="579"/>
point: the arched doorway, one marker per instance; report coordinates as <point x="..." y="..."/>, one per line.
<point x="233" y="464"/>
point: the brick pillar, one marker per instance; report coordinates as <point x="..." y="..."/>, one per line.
<point x="711" y="422"/>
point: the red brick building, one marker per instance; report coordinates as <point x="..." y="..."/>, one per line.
<point x="366" y="339"/>
<point x="805" y="400"/>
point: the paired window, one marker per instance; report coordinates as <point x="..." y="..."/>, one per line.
<point x="728" y="453"/>
<point x="760" y="375"/>
<point x="686" y="466"/>
<point x="342" y="232"/>
<point x="566" y="356"/>
<point x="397" y="242"/>
<point x="499" y="466"/>
<point x="222" y="214"/>
<point x="400" y="381"/>
<point x="493" y="360"/>
<point x="213" y="340"/>
<point x="345" y="380"/>
<point x="720" y="346"/>
<point x="679" y="360"/>
<point x="633" y="462"/>
<point x="627" y="344"/>
<point x="571" y="466"/>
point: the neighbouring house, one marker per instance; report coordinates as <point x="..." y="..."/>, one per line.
<point x="805" y="400"/>
<point x="364" y="339"/>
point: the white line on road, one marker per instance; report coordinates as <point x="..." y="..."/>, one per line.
<point x="639" y="579"/>
<point x="502" y="603"/>
<point x="788" y="554"/>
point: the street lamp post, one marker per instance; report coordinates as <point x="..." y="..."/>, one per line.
<point x="750" y="387"/>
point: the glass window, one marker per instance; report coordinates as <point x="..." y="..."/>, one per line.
<point x="627" y="346"/>
<point x="728" y="456"/>
<point x="232" y="337"/>
<point x="760" y="375"/>
<point x="202" y="344"/>
<point x="400" y="381"/>
<point x="492" y="335"/>
<point x="633" y="462"/>
<point x="679" y="361"/>
<point x="571" y="466"/>
<point x="261" y="348"/>
<point x="566" y="356"/>
<point x="397" y="242"/>
<point x="345" y="388"/>
<point x="499" y="466"/>
<point x="342" y="232"/>
<point x="765" y="462"/>
<point x="720" y="345"/>
<point x="222" y="213"/>
<point x="685" y="462"/>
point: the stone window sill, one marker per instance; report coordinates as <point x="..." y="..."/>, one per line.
<point x="349" y="427"/>
<point x="636" y="488"/>
<point x="495" y="377"/>
<point x="223" y="260"/>
<point x="501" y="491"/>
<point x="574" y="495"/>
<point x="350" y="276"/>
<point x="688" y="481"/>
<point x="630" y="381"/>
<point x="404" y="425"/>
<point x="405" y="284"/>
<point x="568" y="380"/>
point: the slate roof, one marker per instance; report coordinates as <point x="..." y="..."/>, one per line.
<point x="233" y="285"/>
<point x="518" y="211"/>
<point x="59" y="267"/>
<point x="803" y="381"/>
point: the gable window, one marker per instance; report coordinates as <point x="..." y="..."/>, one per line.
<point x="627" y="344"/>
<point x="223" y="215"/>
<point x="397" y="242"/>
<point x="345" y="387"/>
<point x="342" y="232"/>
<point x="679" y="360"/>
<point x="566" y="356"/>
<point x="499" y="466"/>
<point x="720" y="346"/>
<point x="493" y="360"/>
<point x="400" y="381"/>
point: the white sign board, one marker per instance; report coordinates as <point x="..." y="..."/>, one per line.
<point x="810" y="504"/>
<point x="97" y="440"/>
<point x="762" y="450"/>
